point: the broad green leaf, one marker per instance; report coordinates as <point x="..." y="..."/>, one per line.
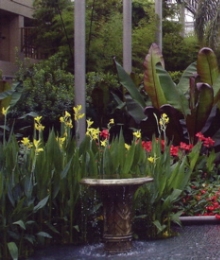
<point x="13" y="250"/>
<point x="134" y="109"/>
<point x="151" y="80"/>
<point x="30" y="238"/>
<point x="66" y="169"/>
<point x="43" y="234"/>
<point x="175" y="217"/>
<point x="200" y="113"/>
<point x="20" y="223"/>
<point x="173" y="95"/>
<point x="127" y="82"/>
<point x="160" y="228"/>
<point x="207" y="66"/>
<point x="183" y="84"/>
<point x="167" y="204"/>
<point x="32" y="114"/>
<point x="41" y="204"/>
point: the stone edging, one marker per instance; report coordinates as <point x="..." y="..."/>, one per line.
<point x="199" y="220"/>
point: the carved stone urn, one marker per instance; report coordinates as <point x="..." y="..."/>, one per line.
<point x="117" y="198"/>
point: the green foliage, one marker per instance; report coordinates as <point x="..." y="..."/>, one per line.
<point x="155" y="201"/>
<point x="39" y="192"/>
<point x="47" y="89"/>
<point x="179" y="51"/>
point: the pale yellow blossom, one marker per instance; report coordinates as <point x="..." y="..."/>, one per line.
<point x="104" y="142"/>
<point x="26" y="142"/>
<point x="137" y="134"/>
<point x="89" y="123"/>
<point x="164" y="120"/>
<point x="5" y="110"/>
<point x="61" y="141"/>
<point x="127" y="146"/>
<point x="38" y="119"/>
<point x="93" y="133"/>
<point x="111" y="122"/>
<point x="78" y="112"/>
<point x="152" y="159"/>
<point x="36" y="145"/>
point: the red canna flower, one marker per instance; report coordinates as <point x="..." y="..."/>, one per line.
<point x="208" y="142"/>
<point x="104" y="134"/>
<point x="147" y="145"/>
<point x="174" y="150"/>
<point x="186" y="147"/>
<point x="200" y="136"/>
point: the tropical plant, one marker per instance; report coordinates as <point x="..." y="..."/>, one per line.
<point x="174" y="169"/>
<point x="192" y="104"/>
<point x="207" y="23"/>
<point x="39" y="189"/>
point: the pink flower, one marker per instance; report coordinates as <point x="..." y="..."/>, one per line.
<point x="104" y="134"/>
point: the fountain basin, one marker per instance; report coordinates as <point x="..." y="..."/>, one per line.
<point x="117" y="199"/>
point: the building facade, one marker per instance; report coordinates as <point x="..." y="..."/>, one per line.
<point x="15" y="22"/>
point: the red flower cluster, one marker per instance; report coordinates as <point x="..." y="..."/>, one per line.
<point x="207" y="141"/>
<point x="211" y="204"/>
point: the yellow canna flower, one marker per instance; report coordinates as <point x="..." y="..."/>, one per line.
<point x="93" y="133"/>
<point x="89" y="123"/>
<point x="127" y="146"/>
<point x="164" y="120"/>
<point x="137" y="134"/>
<point x="111" y="122"/>
<point x="67" y="114"/>
<point x="26" y="142"/>
<point x="39" y="127"/>
<point x="61" y="119"/>
<point x="5" y="110"/>
<point x="78" y="112"/>
<point x="38" y="119"/>
<point x="104" y="142"/>
<point x="151" y="159"/>
<point x="61" y="141"/>
<point x="36" y="145"/>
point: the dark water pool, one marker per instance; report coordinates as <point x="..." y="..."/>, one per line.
<point x="196" y="242"/>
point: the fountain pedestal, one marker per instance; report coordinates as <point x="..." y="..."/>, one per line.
<point x="117" y="198"/>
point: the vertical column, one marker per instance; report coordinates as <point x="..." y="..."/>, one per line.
<point x="159" y="12"/>
<point x="127" y="32"/>
<point x="182" y="18"/>
<point x="79" y="64"/>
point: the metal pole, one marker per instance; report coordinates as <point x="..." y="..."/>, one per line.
<point x="159" y="12"/>
<point x="79" y="64"/>
<point x="127" y="32"/>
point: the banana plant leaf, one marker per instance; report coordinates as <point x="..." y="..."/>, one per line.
<point x="159" y="85"/>
<point x="151" y="80"/>
<point x="190" y="71"/>
<point x="128" y="83"/>
<point x="200" y="113"/>
<point x="207" y="66"/>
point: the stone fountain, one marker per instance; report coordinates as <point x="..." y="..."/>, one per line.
<point x="117" y="198"/>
